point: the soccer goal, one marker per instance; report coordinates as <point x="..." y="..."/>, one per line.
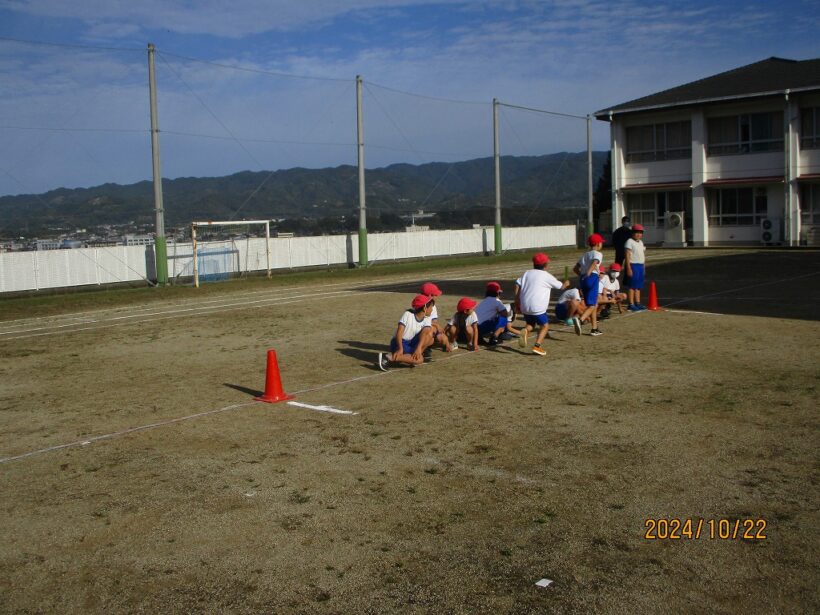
<point x="223" y="249"/>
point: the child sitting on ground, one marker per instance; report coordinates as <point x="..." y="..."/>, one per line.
<point x="413" y="335"/>
<point x="492" y="314"/>
<point x="610" y="291"/>
<point x="569" y="308"/>
<point x="439" y="336"/>
<point x="462" y="328"/>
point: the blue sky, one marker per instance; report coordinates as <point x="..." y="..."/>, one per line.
<point x="77" y="115"/>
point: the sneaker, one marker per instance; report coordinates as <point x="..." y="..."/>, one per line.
<point x="633" y="308"/>
<point x="506" y="336"/>
<point x="494" y="341"/>
<point x="568" y="322"/>
<point x="522" y="339"/>
<point x="640" y="306"/>
<point x="596" y="332"/>
<point x="538" y="350"/>
<point x="454" y="346"/>
<point x="576" y="322"/>
<point x="383" y="361"/>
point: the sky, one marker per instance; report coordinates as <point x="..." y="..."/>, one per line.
<point x="270" y="84"/>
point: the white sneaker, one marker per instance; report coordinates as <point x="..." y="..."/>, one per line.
<point x="576" y="322"/>
<point x="383" y="361"/>
<point x="454" y="345"/>
<point x="522" y="338"/>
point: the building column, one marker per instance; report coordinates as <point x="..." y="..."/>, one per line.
<point x="791" y="227"/>
<point x="700" y="219"/>
<point x="616" y="132"/>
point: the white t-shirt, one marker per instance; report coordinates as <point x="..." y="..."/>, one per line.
<point x="586" y="259"/>
<point x="433" y="316"/>
<point x="534" y="291"/>
<point x="604" y="284"/>
<point x="471" y="319"/>
<point x="571" y="294"/>
<point x="614" y="285"/>
<point x="488" y="308"/>
<point x="412" y="327"/>
<point x="637" y="251"/>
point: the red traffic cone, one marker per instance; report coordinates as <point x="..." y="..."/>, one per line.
<point x="653" y="298"/>
<point x="273" y="382"/>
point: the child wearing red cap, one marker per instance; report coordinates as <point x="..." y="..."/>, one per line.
<point x="439" y="335"/>
<point x="634" y="263"/>
<point x="609" y="290"/>
<point x="463" y="326"/>
<point x="413" y="335"/>
<point x="532" y="298"/>
<point x="492" y="314"/>
<point x="587" y="268"/>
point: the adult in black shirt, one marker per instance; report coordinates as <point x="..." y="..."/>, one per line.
<point x="619" y="237"/>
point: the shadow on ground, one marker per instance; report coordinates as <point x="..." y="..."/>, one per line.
<point x="776" y="282"/>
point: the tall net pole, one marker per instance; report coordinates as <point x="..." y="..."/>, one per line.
<point x="360" y="142"/>
<point x="160" y="247"/>
<point x="497" y="160"/>
<point x="590" y="216"/>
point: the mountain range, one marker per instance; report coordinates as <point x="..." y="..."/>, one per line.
<point x="529" y="183"/>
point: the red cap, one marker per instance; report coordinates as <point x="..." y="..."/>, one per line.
<point x="420" y="301"/>
<point x="601" y="269"/>
<point x="464" y="304"/>
<point x="614" y="267"/>
<point x="595" y="238"/>
<point x="430" y="289"/>
<point x="637" y="228"/>
<point x="540" y="259"/>
<point x="493" y="287"/>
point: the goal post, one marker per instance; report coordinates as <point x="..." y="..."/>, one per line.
<point x="200" y="248"/>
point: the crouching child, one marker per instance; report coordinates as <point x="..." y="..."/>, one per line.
<point x="413" y="335"/>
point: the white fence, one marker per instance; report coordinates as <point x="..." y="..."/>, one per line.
<point x="22" y="271"/>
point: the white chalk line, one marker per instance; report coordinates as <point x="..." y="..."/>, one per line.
<point x="330" y="409"/>
<point x="693" y="312"/>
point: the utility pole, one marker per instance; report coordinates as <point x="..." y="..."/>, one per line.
<point x="160" y="248"/>
<point x="497" y="160"/>
<point x="590" y="216"/>
<point x="362" y="208"/>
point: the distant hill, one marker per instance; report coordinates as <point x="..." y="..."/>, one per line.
<point x="541" y="182"/>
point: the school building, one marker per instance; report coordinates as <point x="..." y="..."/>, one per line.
<point x="732" y="158"/>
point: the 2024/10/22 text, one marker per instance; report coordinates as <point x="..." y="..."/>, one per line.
<point x="690" y="529"/>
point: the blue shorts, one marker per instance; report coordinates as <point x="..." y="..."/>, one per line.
<point x="562" y="310"/>
<point x="589" y="288"/>
<point x="491" y="325"/>
<point x="536" y="319"/>
<point x="635" y="281"/>
<point x="407" y="346"/>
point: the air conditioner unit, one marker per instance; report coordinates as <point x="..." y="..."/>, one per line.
<point x="674" y="235"/>
<point x="771" y="231"/>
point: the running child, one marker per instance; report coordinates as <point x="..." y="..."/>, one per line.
<point x="413" y="335"/>
<point x="532" y="297"/>
<point x="635" y="265"/>
<point x="462" y="328"/>
<point x="492" y="314"/>
<point x="587" y="268"/>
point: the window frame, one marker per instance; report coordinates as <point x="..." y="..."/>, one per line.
<point x="745" y="140"/>
<point x="660" y="148"/>
<point x="810" y="216"/>
<point x="723" y="205"/>
<point x="810" y="139"/>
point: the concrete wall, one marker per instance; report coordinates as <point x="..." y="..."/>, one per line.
<point x="24" y="271"/>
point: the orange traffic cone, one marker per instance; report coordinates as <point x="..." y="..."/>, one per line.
<point x="653" y="298"/>
<point x="273" y="382"/>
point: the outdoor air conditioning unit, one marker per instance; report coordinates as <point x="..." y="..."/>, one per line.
<point x="674" y="235"/>
<point x="770" y="231"/>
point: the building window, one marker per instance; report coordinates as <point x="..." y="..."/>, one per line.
<point x="810" y="204"/>
<point x="744" y="134"/>
<point x="650" y="208"/>
<point x="736" y="206"/>
<point x="669" y="141"/>
<point x="810" y="128"/>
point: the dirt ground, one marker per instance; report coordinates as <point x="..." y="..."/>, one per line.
<point x="138" y="475"/>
